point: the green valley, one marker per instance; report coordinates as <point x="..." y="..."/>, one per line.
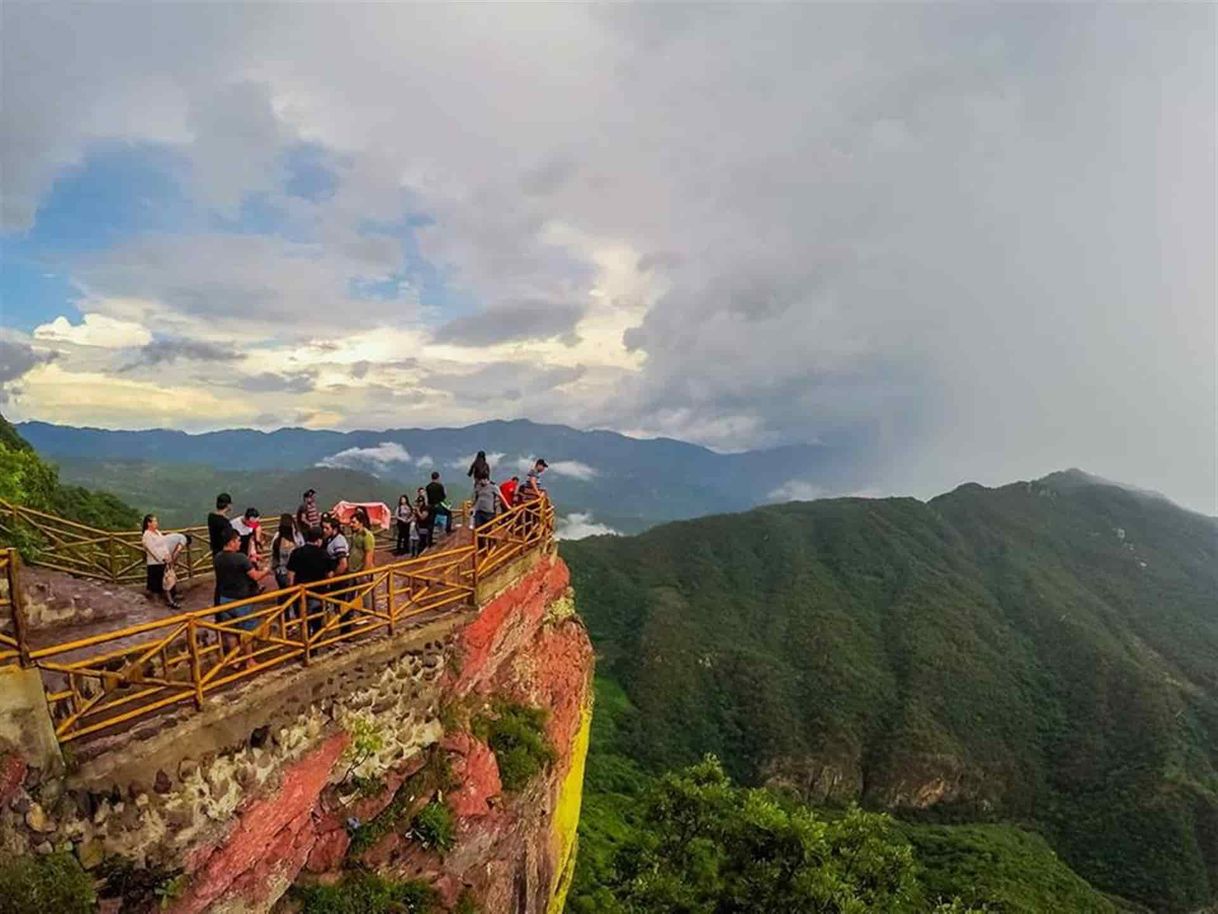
<point x="1040" y="655"/>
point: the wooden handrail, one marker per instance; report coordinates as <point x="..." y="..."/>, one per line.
<point x="96" y="683"/>
<point x="114" y="556"/>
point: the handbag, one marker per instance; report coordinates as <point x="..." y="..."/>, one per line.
<point x="170" y="580"/>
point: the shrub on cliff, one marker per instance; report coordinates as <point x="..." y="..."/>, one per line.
<point x="54" y="883"/>
<point x="517" y="735"/>
<point x="367" y="893"/>
<point x="434" y="826"/>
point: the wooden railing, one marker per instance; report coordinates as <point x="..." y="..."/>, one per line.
<point x="101" y="682"/>
<point x="12" y="612"/>
<point x="115" y="556"/>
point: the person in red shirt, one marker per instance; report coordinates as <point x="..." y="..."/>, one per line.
<point x="508" y="491"/>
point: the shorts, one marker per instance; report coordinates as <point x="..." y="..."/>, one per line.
<point x="238" y="612"/>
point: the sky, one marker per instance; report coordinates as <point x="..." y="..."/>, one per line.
<point x="979" y="239"/>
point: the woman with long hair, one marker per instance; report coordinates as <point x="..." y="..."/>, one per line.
<point x="480" y="468"/>
<point x="404" y="516"/>
<point x="159" y="555"/>
<point x="423" y="522"/>
<point x="287" y="539"/>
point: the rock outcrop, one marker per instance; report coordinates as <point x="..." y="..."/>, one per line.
<point x="384" y="756"/>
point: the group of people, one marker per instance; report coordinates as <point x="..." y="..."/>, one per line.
<point x="308" y="547"/>
<point x="416" y="520"/>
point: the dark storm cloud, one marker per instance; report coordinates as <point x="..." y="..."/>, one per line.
<point x="528" y="319"/>
<point x="168" y="350"/>
<point x="16" y="360"/>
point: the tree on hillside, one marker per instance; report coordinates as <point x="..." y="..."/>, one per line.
<point x="703" y="844"/>
<point x="25" y="479"/>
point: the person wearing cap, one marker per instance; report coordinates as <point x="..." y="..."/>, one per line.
<point x="531" y="487"/>
<point x="307" y="515"/>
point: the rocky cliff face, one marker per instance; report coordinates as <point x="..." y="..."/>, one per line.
<point x="455" y="763"/>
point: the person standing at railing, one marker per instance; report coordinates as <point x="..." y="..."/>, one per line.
<point x="531" y="488"/>
<point x="237" y="579"/>
<point x="507" y="491"/>
<point x="308" y="515"/>
<point x="309" y="564"/>
<point x="285" y="542"/>
<point x="480" y="468"/>
<point x="362" y="556"/>
<point x="249" y="525"/>
<point x="437" y="503"/>
<point x="403" y="519"/>
<point x="486" y="500"/>
<point x="160" y="552"/>
<point x="424" y="520"/>
<point x="336" y="544"/>
<point x="218" y="526"/>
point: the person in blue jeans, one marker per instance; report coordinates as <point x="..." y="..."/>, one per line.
<point x="236" y="580"/>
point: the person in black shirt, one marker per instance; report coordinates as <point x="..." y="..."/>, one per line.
<point x="218" y="527"/>
<point x="436" y="497"/>
<point x="236" y="579"/>
<point x="309" y="564"/>
<point x="218" y="523"/>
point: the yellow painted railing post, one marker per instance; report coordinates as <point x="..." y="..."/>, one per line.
<point x="17" y="603"/>
<point x="304" y="624"/>
<point x="196" y="670"/>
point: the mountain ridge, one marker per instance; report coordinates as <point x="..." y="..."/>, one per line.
<point x="626" y="482"/>
<point x="1040" y="652"/>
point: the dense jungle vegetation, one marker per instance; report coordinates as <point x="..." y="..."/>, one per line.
<point x="1025" y="677"/>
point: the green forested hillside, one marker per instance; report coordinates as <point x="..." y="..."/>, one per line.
<point x="181" y="494"/>
<point x="26" y="479"/>
<point x="1044" y="653"/>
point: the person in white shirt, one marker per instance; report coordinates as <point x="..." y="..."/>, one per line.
<point x="160" y="552"/>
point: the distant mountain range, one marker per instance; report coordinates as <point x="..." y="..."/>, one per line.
<point x="1045" y="653"/>
<point x="600" y="480"/>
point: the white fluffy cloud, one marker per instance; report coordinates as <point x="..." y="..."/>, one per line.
<point x="373" y="459"/>
<point x="94" y="330"/>
<point x="577" y="525"/>
<point x="573" y="469"/>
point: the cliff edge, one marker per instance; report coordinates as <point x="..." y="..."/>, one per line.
<point x="442" y="766"/>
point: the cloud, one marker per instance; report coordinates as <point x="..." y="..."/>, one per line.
<point x="507" y="381"/>
<point x="958" y="253"/>
<point x="517" y="320"/>
<point x="168" y="350"/>
<point x="268" y="381"/>
<point x="796" y="490"/>
<point x="94" y="330"/>
<point x="16" y="360"/>
<point x="425" y="462"/>
<point x="573" y="469"/>
<point x="578" y="525"/>
<point x="374" y="459"/>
